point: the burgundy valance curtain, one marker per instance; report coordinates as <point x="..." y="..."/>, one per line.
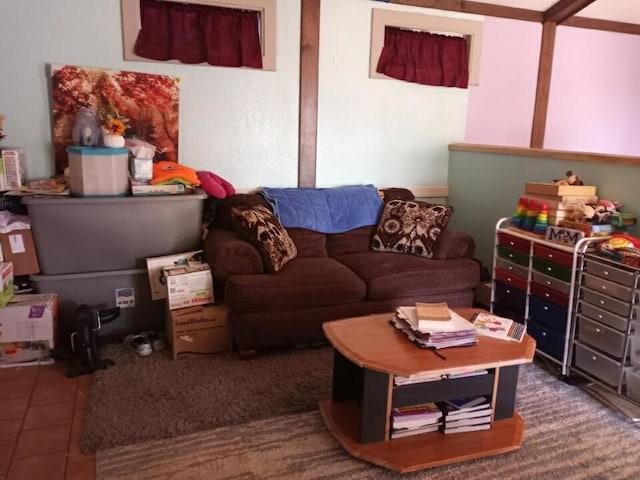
<point x="194" y="33"/>
<point x="425" y="58"/>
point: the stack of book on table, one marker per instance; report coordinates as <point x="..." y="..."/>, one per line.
<point x="439" y="328"/>
<point x="422" y="418"/>
<point x="466" y="414"/>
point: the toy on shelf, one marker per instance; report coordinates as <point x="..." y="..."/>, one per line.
<point x="530" y="218"/>
<point x="622" y="248"/>
<point x="542" y="220"/>
<point x="570" y="179"/>
<point x="520" y="214"/>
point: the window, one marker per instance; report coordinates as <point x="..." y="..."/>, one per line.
<point x="470" y="29"/>
<point x="131" y="25"/>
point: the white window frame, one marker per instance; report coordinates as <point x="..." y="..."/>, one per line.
<point x="130" y="10"/>
<point x="471" y="29"/>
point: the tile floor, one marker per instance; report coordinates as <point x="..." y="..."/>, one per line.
<point x="41" y="414"/>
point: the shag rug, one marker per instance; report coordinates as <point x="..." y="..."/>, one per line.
<point x="155" y="397"/>
<point x="568" y="436"/>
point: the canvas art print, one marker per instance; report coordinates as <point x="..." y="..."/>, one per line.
<point x="146" y="104"/>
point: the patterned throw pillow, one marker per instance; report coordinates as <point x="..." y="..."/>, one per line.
<point x="260" y="227"/>
<point x="410" y="227"/>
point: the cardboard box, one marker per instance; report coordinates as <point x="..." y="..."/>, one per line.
<point x="188" y="285"/>
<point x="553" y="189"/>
<point x="155" y="266"/>
<point x="6" y="283"/>
<point x="30" y="318"/>
<point x="18" y="248"/>
<point x="198" y="331"/>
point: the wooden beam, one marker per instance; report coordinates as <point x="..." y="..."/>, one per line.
<point x="477" y="8"/>
<point x="308" y="114"/>
<point x="564" y="9"/>
<point x="604" y="25"/>
<point x="544" y="82"/>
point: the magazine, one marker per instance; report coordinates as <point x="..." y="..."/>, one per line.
<point x="498" y="327"/>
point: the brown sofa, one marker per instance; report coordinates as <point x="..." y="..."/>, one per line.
<point x="333" y="276"/>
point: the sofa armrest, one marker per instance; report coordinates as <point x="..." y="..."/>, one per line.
<point x="227" y="254"/>
<point x="454" y="244"/>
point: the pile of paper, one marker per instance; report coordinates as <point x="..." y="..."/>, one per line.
<point x="455" y="332"/>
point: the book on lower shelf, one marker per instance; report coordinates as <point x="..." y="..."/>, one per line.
<point x="467" y="428"/>
<point x="406" y="432"/>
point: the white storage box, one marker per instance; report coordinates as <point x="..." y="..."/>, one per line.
<point x="29" y="318"/>
<point x="75" y="235"/>
<point x="95" y="171"/>
<point x="188" y="286"/>
<point x="128" y="289"/>
<point x="156" y="265"/>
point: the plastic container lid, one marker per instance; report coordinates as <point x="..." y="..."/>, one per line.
<point x="79" y="150"/>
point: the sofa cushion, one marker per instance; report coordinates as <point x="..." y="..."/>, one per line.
<point x="394" y="275"/>
<point x="260" y="227"/>
<point x="410" y="227"/>
<point x="302" y="283"/>
<point x="308" y="242"/>
<point x="356" y="240"/>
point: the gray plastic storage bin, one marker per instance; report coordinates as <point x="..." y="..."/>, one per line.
<point x="74" y="235"/>
<point x="128" y="289"/>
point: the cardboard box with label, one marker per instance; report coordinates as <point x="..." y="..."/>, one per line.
<point x="155" y="266"/>
<point x="198" y="331"/>
<point x="18" y="248"/>
<point x="29" y="318"/>
<point x="188" y="285"/>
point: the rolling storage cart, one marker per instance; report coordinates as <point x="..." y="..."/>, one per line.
<point x="534" y="282"/>
<point x="606" y="339"/>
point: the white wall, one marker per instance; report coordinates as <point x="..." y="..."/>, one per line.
<point x="379" y="131"/>
<point x="243" y="124"/>
<point x="240" y="124"/>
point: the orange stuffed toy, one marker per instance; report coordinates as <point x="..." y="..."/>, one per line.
<point x="165" y="172"/>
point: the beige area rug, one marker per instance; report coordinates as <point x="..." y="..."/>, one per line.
<point x="569" y="436"/>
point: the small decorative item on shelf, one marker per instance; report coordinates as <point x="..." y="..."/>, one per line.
<point x="530" y="218"/>
<point x="542" y="220"/>
<point x="521" y="212"/>
<point x="113" y="133"/>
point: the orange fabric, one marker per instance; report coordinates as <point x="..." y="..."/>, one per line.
<point x="165" y="171"/>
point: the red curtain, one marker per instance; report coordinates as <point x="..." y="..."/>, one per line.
<point x="194" y="33"/>
<point x="426" y="58"/>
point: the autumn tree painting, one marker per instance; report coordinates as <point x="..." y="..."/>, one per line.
<point x="148" y="103"/>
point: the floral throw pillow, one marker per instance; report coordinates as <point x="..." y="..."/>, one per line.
<point x="260" y="227"/>
<point x="410" y="227"/>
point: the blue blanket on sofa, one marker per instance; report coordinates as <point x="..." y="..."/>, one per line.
<point x="326" y="210"/>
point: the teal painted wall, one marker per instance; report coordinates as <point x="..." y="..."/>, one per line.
<point x="484" y="187"/>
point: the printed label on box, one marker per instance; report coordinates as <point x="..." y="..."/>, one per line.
<point x="125" y="297"/>
<point x="16" y="243"/>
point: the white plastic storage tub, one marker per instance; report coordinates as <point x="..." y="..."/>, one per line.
<point x="76" y="235"/>
<point x="98" y="171"/>
<point x="128" y="289"/>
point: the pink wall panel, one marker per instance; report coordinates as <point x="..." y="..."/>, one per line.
<point x="594" y="102"/>
<point x="501" y="107"/>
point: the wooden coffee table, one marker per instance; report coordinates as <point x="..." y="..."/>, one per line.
<point x="369" y="352"/>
